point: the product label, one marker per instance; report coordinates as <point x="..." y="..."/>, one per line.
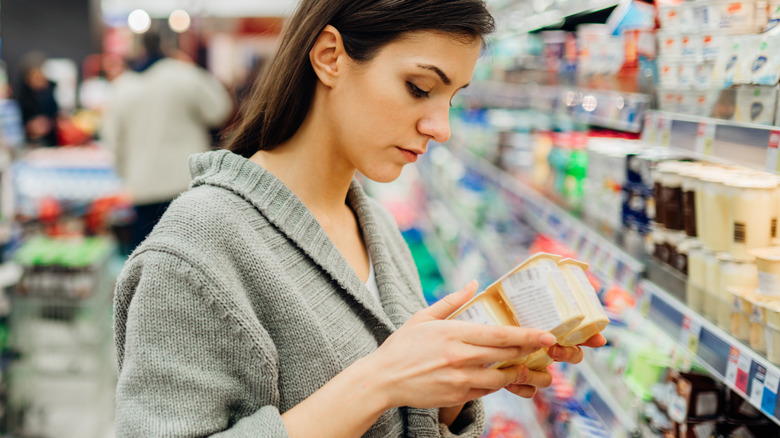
<point x="528" y="291"/>
<point x="559" y="280"/>
<point x="739" y="232"/>
<point x="587" y="287"/>
<point x="772" y="162"/>
<point x="476" y="313"/>
<point x="757" y="387"/>
<point x="768" y="283"/>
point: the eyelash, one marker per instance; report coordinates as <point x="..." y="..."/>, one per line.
<point x="416" y="91"/>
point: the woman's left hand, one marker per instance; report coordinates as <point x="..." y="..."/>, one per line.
<point x="559" y="353"/>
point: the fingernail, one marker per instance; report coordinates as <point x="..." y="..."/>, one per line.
<point x="523" y="376"/>
<point x="555" y="351"/>
<point x="547" y="339"/>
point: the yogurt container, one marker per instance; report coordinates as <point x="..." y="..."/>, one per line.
<point x="768" y="262"/>
<point x="752" y="210"/>
<point x="735" y="272"/>
<point x="596" y="318"/>
<point x="538" y="360"/>
<point x="539" y="296"/>
<point x="757" y="323"/>
<point x="741" y="311"/>
<point x="715" y="199"/>
<point x="712" y="286"/>
<point x="694" y="288"/>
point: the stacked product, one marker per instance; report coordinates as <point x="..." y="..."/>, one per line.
<point x="719" y="58"/>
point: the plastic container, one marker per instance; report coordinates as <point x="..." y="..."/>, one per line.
<point x="596" y="318"/>
<point x="757" y="323"/>
<point x="741" y="311"/>
<point x="752" y="209"/>
<point x="712" y="286"/>
<point x="690" y="185"/>
<point x="725" y="14"/>
<point x="540" y="297"/>
<point x="694" y="289"/>
<point x="735" y="272"/>
<point x="768" y="262"/>
<point x="716" y="201"/>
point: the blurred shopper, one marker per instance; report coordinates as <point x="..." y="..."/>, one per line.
<point x="275" y="298"/>
<point x="159" y="114"/>
<point x="36" y="99"/>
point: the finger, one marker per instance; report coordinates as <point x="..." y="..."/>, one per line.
<point x="595" y="341"/>
<point x="477" y="355"/>
<point x="565" y="354"/>
<point x="524" y="391"/>
<point x="505" y="336"/>
<point x="452" y="302"/>
<point x="516" y="375"/>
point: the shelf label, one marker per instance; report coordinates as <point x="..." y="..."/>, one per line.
<point x="691" y="331"/>
<point x="705" y="138"/>
<point x="665" y="130"/>
<point x="769" y="399"/>
<point x="743" y="372"/>
<point x="757" y="386"/>
<point x="772" y="163"/>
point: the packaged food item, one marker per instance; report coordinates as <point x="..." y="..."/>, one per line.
<point x="596" y="318"/>
<point x="715" y="199"/>
<point x="741" y="311"/>
<point x="765" y="69"/>
<point x="535" y="294"/>
<point x="694" y="288"/>
<point x="734" y="272"/>
<point x="752" y="211"/>
<point x="768" y="263"/>
<point x="711" y="286"/>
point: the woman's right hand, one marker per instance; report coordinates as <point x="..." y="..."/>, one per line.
<point x="431" y="362"/>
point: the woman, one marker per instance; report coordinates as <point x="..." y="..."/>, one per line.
<point x="249" y="310"/>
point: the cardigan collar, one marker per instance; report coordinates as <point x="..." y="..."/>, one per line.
<point x="287" y="213"/>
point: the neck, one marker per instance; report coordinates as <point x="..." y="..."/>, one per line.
<point x="310" y="167"/>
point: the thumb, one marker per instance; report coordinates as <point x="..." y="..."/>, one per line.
<point x="445" y="306"/>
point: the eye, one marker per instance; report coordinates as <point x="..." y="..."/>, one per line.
<point x="416" y="91"/>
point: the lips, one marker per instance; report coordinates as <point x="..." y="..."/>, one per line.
<point x="410" y="155"/>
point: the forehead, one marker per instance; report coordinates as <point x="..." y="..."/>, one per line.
<point x="451" y="53"/>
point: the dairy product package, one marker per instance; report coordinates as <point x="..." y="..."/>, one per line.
<point x="768" y="262"/>
<point x="596" y="318"/>
<point x="756" y="104"/>
<point x="765" y="67"/>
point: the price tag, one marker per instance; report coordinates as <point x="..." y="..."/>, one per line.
<point x="705" y="138"/>
<point x="757" y="386"/>
<point x="691" y="331"/>
<point x="769" y="399"/>
<point x="664" y="130"/>
<point x="772" y="162"/>
<point x="650" y="130"/>
<point x="732" y="366"/>
<point x="743" y="372"/>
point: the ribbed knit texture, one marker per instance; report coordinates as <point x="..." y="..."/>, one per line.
<point x="238" y="306"/>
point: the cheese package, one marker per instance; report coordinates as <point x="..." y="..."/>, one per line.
<point x="546" y="293"/>
<point x="596" y="318"/>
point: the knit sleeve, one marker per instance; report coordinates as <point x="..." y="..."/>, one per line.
<point x="186" y="367"/>
<point x="470" y="422"/>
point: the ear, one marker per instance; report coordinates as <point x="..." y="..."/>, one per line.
<point x="328" y="55"/>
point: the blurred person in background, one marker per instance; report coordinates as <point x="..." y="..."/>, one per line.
<point x="36" y="99"/>
<point x="275" y="298"/>
<point x="160" y="113"/>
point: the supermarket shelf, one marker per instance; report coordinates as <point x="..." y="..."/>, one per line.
<point x="605" y="257"/>
<point x="520" y="21"/>
<point x="750" y="145"/>
<point x="611" y="412"/>
<point x="605" y="108"/>
<point x="485" y="243"/>
<point x="727" y="359"/>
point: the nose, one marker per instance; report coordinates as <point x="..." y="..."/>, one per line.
<point x="436" y="124"/>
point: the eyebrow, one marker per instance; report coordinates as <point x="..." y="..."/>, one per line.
<point x="438" y="71"/>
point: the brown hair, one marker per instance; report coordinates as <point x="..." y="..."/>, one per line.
<point x="282" y="95"/>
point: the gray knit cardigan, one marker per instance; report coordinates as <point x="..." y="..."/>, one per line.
<point x="238" y="306"/>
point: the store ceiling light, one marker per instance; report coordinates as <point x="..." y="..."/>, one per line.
<point x="139" y="21"/>
<point x="179" y="21"/>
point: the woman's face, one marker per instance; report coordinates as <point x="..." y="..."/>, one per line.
<point x="386" y="110"/>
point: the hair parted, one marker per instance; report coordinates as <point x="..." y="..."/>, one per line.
<point x="282" y="95"/>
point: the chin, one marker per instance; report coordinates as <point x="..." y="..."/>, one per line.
<point x="383" y="175"/>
